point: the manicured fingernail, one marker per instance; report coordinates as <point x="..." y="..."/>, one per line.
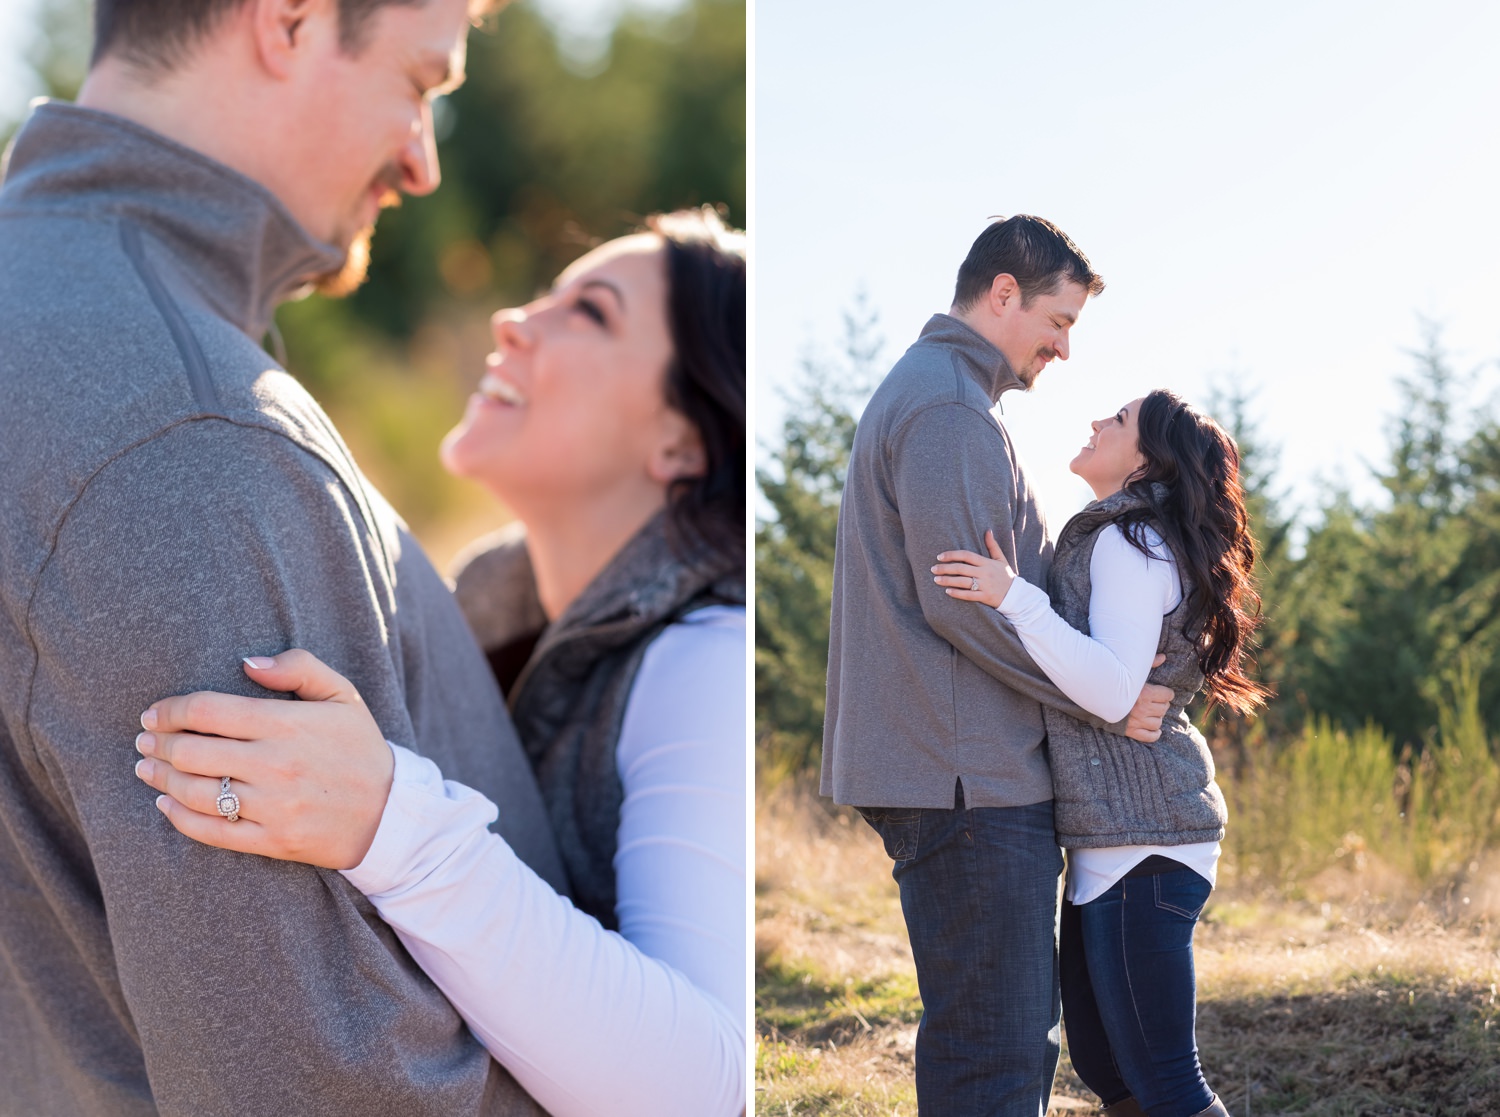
<point x="145" y="743"/>
<point x="144" y="769"/>
<point x="259" y="662"/>
<point x="148" y="719"/>
<point x="161" y="803"/>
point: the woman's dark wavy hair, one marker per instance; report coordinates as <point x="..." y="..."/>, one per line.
<point x="1191" y="487"/>
<point x="706" y="379"/>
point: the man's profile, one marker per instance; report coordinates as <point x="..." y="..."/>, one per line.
<point x="175" y="501"/>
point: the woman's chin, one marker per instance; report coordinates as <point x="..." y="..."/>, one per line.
<point x="464" y="453"/>
<point x="450" y="451"/>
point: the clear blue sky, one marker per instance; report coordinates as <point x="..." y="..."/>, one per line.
<point x="1273" y="193"/>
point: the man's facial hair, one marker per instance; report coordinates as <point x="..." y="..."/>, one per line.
<point x="345" y="281"/>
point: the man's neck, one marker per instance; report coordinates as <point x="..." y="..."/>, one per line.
<point x="186" y="106"/>
<point x="978" y="320"/>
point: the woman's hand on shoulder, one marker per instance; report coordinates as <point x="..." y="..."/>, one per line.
<point x="310" y="778"/>
<point x="972" y="577"/>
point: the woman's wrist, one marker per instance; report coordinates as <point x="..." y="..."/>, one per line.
<point x="1021" y="599"/>
<point x="424" y="820"/>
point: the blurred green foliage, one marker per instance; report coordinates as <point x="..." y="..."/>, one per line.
<point x="541" y="157"/>
<point x="539" y="160"/>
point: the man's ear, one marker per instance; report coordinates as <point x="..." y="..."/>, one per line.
<point x="1005" y="294"/>
<point x="679" y="453"/>
<point x="281" y="29"/>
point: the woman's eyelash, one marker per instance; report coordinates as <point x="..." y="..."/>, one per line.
<point x="592" y="310"/>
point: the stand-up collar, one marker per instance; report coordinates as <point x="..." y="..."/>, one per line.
<point x="244" y="251"/>
<point x="642" y="585"/>
<point x="985" y="364"/>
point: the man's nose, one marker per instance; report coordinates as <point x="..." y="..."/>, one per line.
<point x="419" y="158"/>
<point x="1062" y="347"/>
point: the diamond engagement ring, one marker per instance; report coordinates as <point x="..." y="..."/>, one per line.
<point x="227" y="802"/>
<point x="973" y="585"/>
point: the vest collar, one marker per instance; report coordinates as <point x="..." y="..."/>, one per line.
<point x="644" y="584"/>
<point x="1128" y="497"/>
<point x="1097" y="512"/>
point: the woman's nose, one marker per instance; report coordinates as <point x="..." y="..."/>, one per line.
<point x="509" y="326"/>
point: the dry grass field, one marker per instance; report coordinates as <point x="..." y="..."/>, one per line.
<point x="1359" y="996"/>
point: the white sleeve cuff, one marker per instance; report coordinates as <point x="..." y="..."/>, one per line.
<point x="424" y="821"/>
<point x="1023" y="602"/>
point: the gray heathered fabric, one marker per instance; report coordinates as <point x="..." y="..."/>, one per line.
<point x="923" y="689"/>
<point x="495" y="587"/>
<point x="172" y="502"/>
<point x="1110" y="790"/>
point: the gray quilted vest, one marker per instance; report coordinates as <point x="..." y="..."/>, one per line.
<point x="1109" y="790"/>
<point x="568" y="701"/>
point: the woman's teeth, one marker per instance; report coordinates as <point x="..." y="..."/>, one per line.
<point x="503" y="390"/>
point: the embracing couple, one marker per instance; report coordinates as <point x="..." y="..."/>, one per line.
<point x="988" y="700"/>
<point x="215" y="898"/>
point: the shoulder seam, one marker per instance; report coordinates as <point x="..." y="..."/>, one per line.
<point x="51" y="545"/>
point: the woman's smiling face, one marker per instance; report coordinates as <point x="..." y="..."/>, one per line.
<point x="1112" y="453"/>
<point x="572" y="402"/>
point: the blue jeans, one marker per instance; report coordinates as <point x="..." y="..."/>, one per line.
<point x="1129" y="994"/>
<point x="979" y="891"/>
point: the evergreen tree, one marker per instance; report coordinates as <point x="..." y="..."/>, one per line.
<point x="1272" y="527"/>
<point x="1391" y="601"/>
<point x="802" y="485"/>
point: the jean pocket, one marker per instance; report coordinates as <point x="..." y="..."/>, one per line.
<point x="1183" y="893"/>
<point x="899" y="829"/>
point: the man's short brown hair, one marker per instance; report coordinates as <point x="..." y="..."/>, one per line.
<point x="1033" y="250"/>
<point x="156" y="35"/>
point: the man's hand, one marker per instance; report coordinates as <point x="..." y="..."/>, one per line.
<point x="1144" y="723"/>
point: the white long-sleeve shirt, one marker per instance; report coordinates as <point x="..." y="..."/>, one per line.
<point x="650" y="1020"/>
<point x="1105" y="670"/>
